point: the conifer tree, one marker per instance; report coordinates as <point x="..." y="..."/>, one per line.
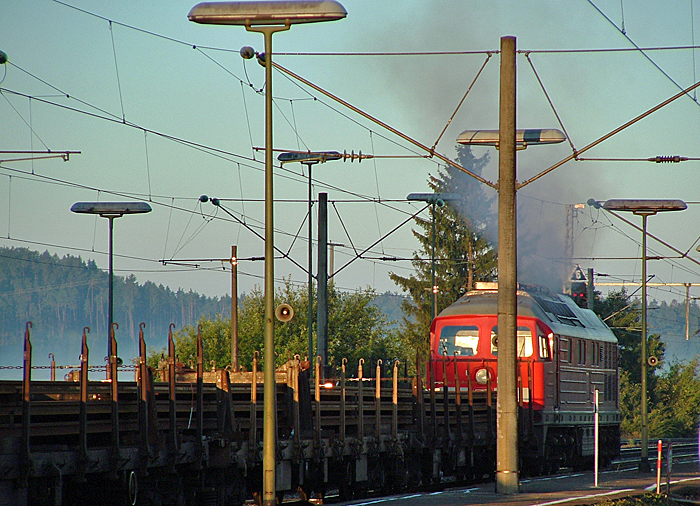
<point x="463" y="252"/>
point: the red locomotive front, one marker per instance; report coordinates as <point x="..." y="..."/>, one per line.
<point x="564" y="354"/>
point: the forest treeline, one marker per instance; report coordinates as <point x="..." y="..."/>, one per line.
<point x="62" y="295"/>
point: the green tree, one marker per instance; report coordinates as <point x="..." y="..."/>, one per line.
<point x="357" y="329"/>
<point x="623" y="316"/>
<point x="463" y="252"/>
<point x="677" y="402"/>
<point x="672" y="395"/>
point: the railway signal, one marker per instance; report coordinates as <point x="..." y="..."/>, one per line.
<point x="579" y="287"/>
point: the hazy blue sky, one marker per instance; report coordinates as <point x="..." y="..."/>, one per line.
<point x="171" y="112"/>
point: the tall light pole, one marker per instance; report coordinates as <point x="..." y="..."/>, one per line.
<point x="433" y="199"/>
<point x="111" y="210"/>
<point x="643" y="208"/>
<point x="507" y="139"/>
<point x="267" y="18"/>
<point x="309" y="159"/>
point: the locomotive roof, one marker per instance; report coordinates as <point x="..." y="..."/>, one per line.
<point x="558" y="311"/>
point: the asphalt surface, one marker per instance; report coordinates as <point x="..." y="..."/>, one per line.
<point x="564" y="488"/>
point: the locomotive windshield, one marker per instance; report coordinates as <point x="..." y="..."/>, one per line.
<point x="459" y="340"/>
<point x="463" y="340"/>
<point x="524" y="341"/>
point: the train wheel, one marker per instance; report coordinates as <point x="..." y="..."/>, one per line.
<point x="346" y="485"/>
<point x="394" y="476"/>
<point x="426" y="471"/>
<point x="378" y="480"/>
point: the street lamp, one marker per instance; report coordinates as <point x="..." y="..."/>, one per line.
<point x="507" y="140"/>
<point x="310" y="159"/>
<point x="267" y="18"/>
<point x="111" y="210"/>
<point x="643" y="208"/>
<point x="523" y="138"/>
<point x="433" y="199"/>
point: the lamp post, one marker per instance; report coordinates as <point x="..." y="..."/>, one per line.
<point x="267" y="18"/>
<point x="309" y="159"/>
<point x="433" y="199"/>
<point x="111" y="210"/>
<point x="643" y="208"/>
<point x="507" y="139"/>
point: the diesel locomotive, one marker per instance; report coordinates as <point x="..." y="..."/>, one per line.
<point x="565" y="354"/>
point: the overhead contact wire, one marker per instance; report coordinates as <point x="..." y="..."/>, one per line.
<point x="551" y="104"/>
<point x="383" y="125"/>
<point x="116" y="69"/>
<point x="610" y="134"/>
<point x="641" y="50"/>
<point x="449" y="121"/>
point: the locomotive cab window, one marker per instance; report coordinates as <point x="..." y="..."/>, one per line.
<point x="459" y="340"/>
<point x="524" y="341"/>
<point x="544" y="343"/>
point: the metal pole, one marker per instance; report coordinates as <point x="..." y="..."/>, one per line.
<point x="322" y="275"/>
<point x="596" y="435"/>
<point x="432" y="264"/>
<point x="659" y="449"/>
<point x="687" y="311"/>
<point x="507" y="402"/>
<point x="644" y="461"/>
<point x="269" y="390"/>
<point x="110" y="308"/>
<point x="234" y="308"/>
<point x="590" y="289"/>
<point x="25" y="453"/>
<point x="310" y="320"/>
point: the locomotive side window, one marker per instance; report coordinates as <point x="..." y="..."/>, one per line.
<point x="459" y="340"/>
<point x="545" y="351"/>
<point x="524" y="341"/>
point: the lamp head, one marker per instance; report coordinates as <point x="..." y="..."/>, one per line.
<point x="523" y="138"/>
<point x="111" y="209"/>
<point x="437" y="199"/>
<point x="644" y="206"/>
<point x="250" y="13"/>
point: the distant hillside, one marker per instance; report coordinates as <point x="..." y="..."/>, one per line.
<point x="390" y="304"/>
<point x="60" y="296"/>
<point x="668" y="320"/>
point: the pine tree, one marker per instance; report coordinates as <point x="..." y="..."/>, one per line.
<point x="463" y="252"/>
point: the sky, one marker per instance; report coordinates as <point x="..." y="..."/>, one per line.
<point x="164" y="110"/>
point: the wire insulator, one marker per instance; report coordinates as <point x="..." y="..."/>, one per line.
<point x="352" y="156"/>
<point x="669" y="159"/>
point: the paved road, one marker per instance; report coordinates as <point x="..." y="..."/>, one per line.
<point x="562" y="489"/>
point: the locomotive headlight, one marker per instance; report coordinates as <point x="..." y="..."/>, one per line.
<point x="482" y="376"/>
